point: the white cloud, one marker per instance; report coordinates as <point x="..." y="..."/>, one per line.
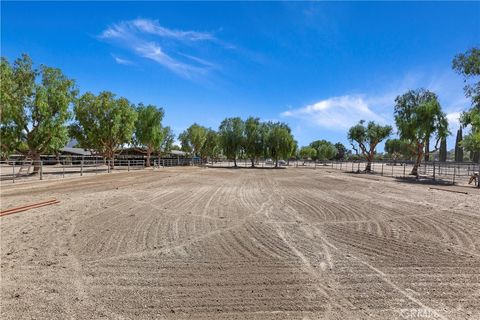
<point x="453" y="120"/>
<point x="148" y="39"/>
<point x="121" y="60"/>
<point x="336" y="112"/>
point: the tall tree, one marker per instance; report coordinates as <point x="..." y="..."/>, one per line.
<point x="103" y="123"/>
<point x="397" y="149"/>
<point x="211" y="146"/>
<point x="231" y="132"/>
<point x="279" y="141"/>
<point x="148" y="129"/>
<point x="367" y="138"/>
<point x="254" y="139"/>
<point x="34" y="108"/>
<point x="327" y="151"/>
<point x="307" y="153"/>
<point x="193" y="139"/>
<point x="458" y="146"/>
<point x="341" y="151"/>
<point x="418" y="116"/>
<point x="442" y="156"/>
<point x="468" y="65"/>
<point x="168" y="140"/>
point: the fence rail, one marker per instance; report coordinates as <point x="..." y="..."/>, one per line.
<point x="67" y="166"/>
<point x="19" y="170"/>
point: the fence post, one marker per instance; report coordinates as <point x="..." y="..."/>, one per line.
<point x="63" y="171"/>
<point x="352" y="166"/>
<point x="128" y="165"/>
<point x="454" y="172"/>
<point x="434" y="170"/>
<point x="41" y="170"/>
<point x="81" y="168"/>
<point x="382" y="168"/>
<point x="404" y="166"/>
<point x="13" y="168"/>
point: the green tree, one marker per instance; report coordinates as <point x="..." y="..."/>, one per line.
<point x="326" y="151"/>
<point x="418" y="116"/>
<point x="254" y="139"/>
<point x="231" y="132"/>
<point x="148" y="129"/>
<point x="34" y="108"/>
<point x="193" y="139"/>
<point x="458" y="146"/>
<point x="367" y="138"/>
<point x="468" y="65"/>
<point x="307" y="153"/>
<point x="442" y="156"/>
<point x="103" y="123"/>
<point x="279" y="141"/>
<point x="168" y="140"/>
<point x="397" y="149"/>
<point x="211" y="146"/>
<point x="341" y="151"/>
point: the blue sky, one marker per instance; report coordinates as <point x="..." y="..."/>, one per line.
<point x="320" y="67"/>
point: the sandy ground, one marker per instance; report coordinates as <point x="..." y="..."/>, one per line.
<point x="193" y="243"/>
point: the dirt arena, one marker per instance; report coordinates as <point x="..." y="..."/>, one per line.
<point x="199" y="243"/>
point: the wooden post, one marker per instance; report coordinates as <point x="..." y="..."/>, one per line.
<point x="128" y="165"/>
<point x="382" y="168"/>
<point x="81" y="167"/>
<point x="454" y="172"/>
<point x="63" y="171"/>
<point x="433" y="170"/>
<point x="404" y="166"/>
<point x="13" y="171"/>
<point x="41" y="170"/>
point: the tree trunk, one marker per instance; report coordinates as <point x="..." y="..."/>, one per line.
<point x="111" y="157"/>
<point x="417" y="162"/>
<point x="149" y="152"/>
<point x="368" y="168"/>
<point x="36" y="162"/>
<point x="235" y="162"/>
<point x="427" y="149"/>
<point x="276" y="163"/>
<point x="253" y="162"/>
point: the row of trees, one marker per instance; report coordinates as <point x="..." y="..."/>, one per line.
<point x="41" y="110"/>
<point x="36" y="116"/>
<point x="237" y="138"/>
<point x="419" y="118"/>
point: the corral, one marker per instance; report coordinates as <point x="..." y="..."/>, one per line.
<point x="188" y="242"/>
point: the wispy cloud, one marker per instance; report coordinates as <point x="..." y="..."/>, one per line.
<point x="337" y="113"/>
<point x="168" y="47"/>
<point x="121" y="60"/>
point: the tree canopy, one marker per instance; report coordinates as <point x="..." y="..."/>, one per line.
<point x="468" y="65"/>
<point x="148" y="129"/>
<point x="103" y="123"/>
<point x="398" y="149"/>
<point x="35" y="108"/>
<point x="418" y="115"/>
<point x="193" y="139"/>
<point x="231" y="132"/>
<point x="255" y="135"/>
<point x="367" y="138"/>
<point x="279" y="141"/>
